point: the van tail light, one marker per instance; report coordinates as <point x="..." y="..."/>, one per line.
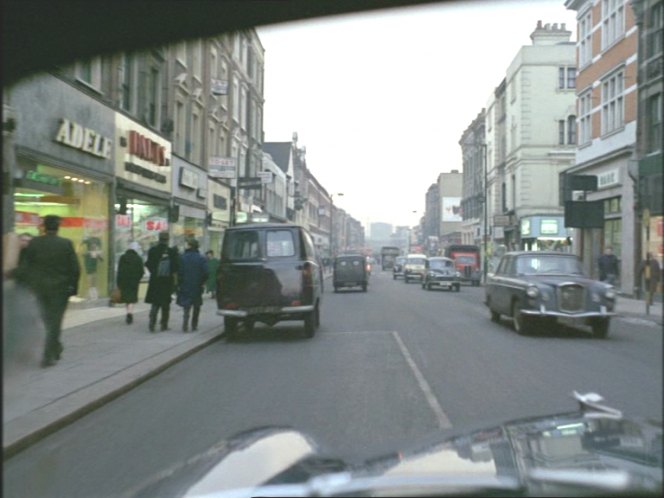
<point x="308" y="274"/>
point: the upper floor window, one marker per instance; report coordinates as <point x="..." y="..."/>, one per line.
<point x="585" y="110"/>
<point x="89" y="72"/>
<point x="612" y="102"/>
<point x="153" y="96"/>
<point x="561" y="132"/>
<point x="127" y="72"/>
<point x="566" y="77"/>
<point x="197" y="60"/>
<point x="181" y="53"/>
<point x="571" y="130"/>
<point x="654" y="123"/>
<point x="585" y="39"/>
<point x="613" y="21"/>
<point x="654" y="38"/>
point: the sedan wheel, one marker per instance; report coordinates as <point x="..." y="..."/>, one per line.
<point x="522" y="324"/>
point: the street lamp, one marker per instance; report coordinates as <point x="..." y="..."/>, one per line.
<point x="340" y="194"/>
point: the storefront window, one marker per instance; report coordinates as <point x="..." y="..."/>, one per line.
<point x="188" y="227"/>
<point x="613" y="235"/>
<point x="82" y="203"/>
<point x="141" y="223"/>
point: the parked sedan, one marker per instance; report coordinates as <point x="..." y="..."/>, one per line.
<point x="441" y="273"/>
<point x="532" y="287"/>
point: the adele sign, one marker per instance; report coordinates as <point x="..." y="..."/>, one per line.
<point x="74" y="135"/>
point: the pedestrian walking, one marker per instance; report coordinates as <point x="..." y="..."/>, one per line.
<point x="51" y="271"/>
<point x="192" y="275"/>
<point x="163" y="265"/>
<point x="608" y="266"/>
<point x="130" y="273"/>
<point x="213" y="265"/>
<point x="651" y="273"/>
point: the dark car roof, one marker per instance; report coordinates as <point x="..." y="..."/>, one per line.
<point x="254" y="226"/>
<point x="539" y="253"/>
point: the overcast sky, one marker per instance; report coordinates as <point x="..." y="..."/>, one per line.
<point x="380" y="100"/>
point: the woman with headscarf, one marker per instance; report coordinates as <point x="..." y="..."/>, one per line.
<point x="130" y="272"/>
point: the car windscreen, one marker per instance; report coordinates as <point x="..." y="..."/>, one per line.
<point x="539" y="264"/>
<point x="439" y="264"/>
<point x="416" y="261"/>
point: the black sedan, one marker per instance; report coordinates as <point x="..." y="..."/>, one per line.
<point x="441" y="273"/>
<point x="533" y="287"/>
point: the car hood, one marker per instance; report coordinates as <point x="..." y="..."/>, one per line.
<point x="594" y="449"/>
<point x="439" y="271"/>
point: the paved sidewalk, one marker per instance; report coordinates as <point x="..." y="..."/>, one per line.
<point x="104" y="358"/>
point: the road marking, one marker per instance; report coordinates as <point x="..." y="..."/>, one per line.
<point x="354" y="332"/>
<point x="443" y="421"/>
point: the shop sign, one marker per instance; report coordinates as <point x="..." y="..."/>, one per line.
<point x="188" y="178"/>
<point x="252" y="183"/>
<point x="74" y="135"/>
<point x="525" y="226"/>
<point x="501" y="220"/>
<point x="25" y="218"/>
<point x="219" y="202"/>
<point x="222" y="167"/>
<point x="608" y="179"/>
<point x="549" y="227"/>
<point x="147" y="149"/>
<point x="265" y="176"/>
<point x="95" y="223"/>
<point x="122" y="221"/>
<point x="156" y="224"/>
<point x="146" y="173"/>
<point x="499" y="232"/>
<point x="38" y="177"/>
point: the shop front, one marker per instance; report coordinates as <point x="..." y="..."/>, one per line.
<point x="219" y="214"/>
<point x="544" y="233"/>
<point x="190" y="193"/>
<point x="64" y="166"/>
<point x="143" y="206"/>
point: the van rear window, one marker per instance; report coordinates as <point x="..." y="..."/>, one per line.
<point x="241" y="245"/>
<point x="280" y="243"/>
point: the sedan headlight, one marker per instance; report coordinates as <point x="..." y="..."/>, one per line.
<point x="458" y="274"/>
<point x="610" y="294"/>
<point x="532" y="292"/>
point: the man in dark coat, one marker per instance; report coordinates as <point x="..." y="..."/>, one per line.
<point x="192" y="276"/>
<point x="51" y="270"/>
<point x="130" y="273"/>
<point x="651" y="273"/>
<point x="162" y="263"/>
<point x="608" y="266"/>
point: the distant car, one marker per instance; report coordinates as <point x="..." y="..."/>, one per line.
<point x="441" y="274"/>
<point x="350" y="270"/>
<point x="414" y="267"/>
<point x="268" y="273"/>
<point x="397" y="269"/>
<point x="533" y="287"/>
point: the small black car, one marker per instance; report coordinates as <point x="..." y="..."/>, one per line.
<point x="441" y="273"/>
<point x="397" y="269"/>
<point x="350" y="270"/>
<point x="534" y="286"/>
<point x="268" y="273"/>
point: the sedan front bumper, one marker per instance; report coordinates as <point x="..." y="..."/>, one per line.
<point x="542" y="312"/>
<point x="286" y="310"/>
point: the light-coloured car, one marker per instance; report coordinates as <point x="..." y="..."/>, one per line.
<point x="415" y="267"/>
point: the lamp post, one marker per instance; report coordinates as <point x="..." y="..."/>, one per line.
<point x="340" y="194"/>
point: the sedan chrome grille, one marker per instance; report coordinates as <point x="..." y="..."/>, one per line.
<point x="571" y="297"/>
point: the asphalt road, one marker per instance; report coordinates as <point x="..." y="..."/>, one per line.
<point x="388" y="368"/>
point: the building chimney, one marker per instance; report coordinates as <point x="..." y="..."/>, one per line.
<point x="555" y="26"/>
<point x="539" y="25"/>
<point x="547" y="35"/>
<point x="562" y="27"/>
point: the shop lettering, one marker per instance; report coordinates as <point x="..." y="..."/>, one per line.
<point x="74" y="135"/>
<point x="156" y="225"/>
<point x="147" y="149"/>
<point x="145" y="173"/>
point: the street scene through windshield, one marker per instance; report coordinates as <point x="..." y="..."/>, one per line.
<point x="419" y="244"/>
